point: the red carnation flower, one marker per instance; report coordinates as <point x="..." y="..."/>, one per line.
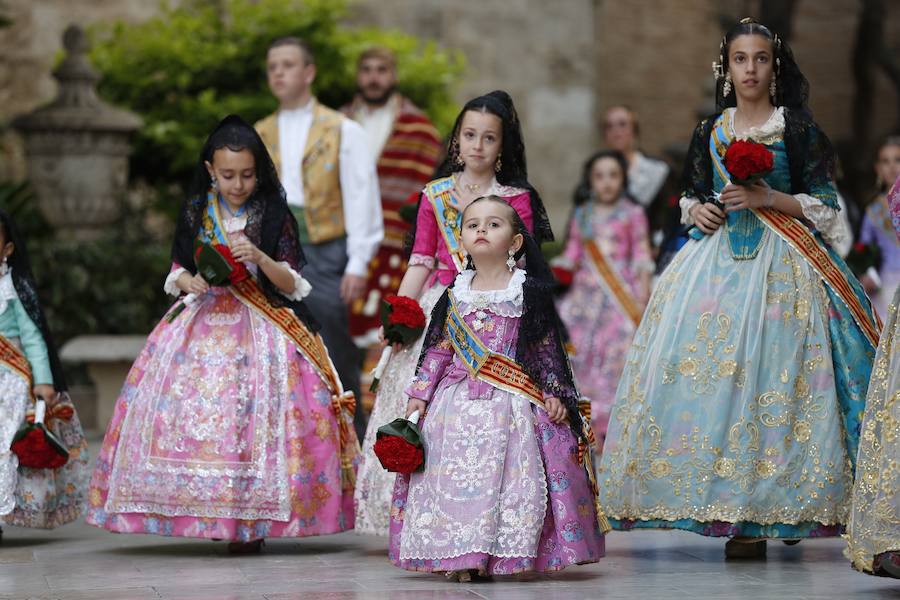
<point x="747" y="161"/>
<point x="397" y="455"/>
<point x="563" y="276"/>
<point x="239" y="270"/>
<point x="37" y="452"/>
<point x="405" y="311"/>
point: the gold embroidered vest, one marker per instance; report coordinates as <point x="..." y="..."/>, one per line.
<point x="323" y="204"/>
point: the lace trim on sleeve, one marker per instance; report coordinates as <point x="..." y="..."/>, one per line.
<point x="686" y="205"/>
<point x="169" y="286"/>
<point x="302" y="287"/>
<point x="825" y="219"/>
<point x="421" y="259"/>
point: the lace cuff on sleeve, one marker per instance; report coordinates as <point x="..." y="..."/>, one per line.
<point x="825" y="219"/>
<point x="421" y="259"/>
<point x="302" y="287"/>
<point x="169" y="286"/>
<point x="686" y="203"/>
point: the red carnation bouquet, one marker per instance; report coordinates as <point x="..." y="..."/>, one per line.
<point x="399" y="447"/>
<point x="36" y="446"/>
<point x="563" y="276"/>
<point x="217" y="266"/>
<point x="748" y="162"/>
<point x="403" y="321"/>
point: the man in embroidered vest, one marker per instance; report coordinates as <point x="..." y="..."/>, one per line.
<point x="407" y="146"/>
<point x="328" y="173"/>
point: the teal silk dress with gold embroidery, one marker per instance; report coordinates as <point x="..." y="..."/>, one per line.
<point x="738" y="410"/>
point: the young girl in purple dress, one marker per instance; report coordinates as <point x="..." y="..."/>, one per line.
<point x="503" y="489"/>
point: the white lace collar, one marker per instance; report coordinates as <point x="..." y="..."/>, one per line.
<point x="7" y="290"/>
<point x="509" y="298"/>
<point x="773" y="127"/>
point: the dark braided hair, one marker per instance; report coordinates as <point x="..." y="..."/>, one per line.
<point x="582" y="192"/>
<point x="513" y="168"/>
<point x="792" y="87"/>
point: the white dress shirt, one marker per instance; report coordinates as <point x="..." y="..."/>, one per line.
<point x="363" y="221"/>
<point x="378" y="123"/>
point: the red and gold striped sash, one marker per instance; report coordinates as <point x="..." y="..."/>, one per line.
<point x="804" y="242"/>
<point x="13" y="358"/>
<point x="613" y="282"/>
<point x="312" y="348"/>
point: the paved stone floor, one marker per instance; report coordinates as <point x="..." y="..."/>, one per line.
<point x="79" y="562"/>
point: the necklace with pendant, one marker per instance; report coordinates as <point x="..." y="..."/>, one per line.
<point x="472" y="188"/>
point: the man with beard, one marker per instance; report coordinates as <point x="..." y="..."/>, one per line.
<point x="329" y="178"/>
<point x="407" y="148"/>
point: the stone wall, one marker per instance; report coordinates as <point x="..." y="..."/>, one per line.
<point x="563" y="62"/>
<point x="540" y="52"/>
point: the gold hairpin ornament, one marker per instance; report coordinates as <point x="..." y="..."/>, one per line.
<point x="718" y="71"/>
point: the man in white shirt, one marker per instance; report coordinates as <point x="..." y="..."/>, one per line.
<point x="407" y="147"/>
<point x="328" y="174"/>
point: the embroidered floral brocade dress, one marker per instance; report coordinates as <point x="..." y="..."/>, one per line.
<point x="874" y="527"/>
<point x="738" y="410"/>
<point x="39" y="498"/>
<point x="599" y="329"/>
<point x="222" y="430"/>
<point x="502" y="490"/>
<point x="374" y="484"/>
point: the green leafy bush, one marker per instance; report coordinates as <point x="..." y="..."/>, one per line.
<point x="188" y="67"/>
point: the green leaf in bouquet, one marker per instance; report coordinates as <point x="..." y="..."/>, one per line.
<point x="212" y="266"/>
<point x="400" y="427"/>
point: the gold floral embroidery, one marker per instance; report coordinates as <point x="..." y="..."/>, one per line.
<point x="706" y="368"/>
<point x="874" y="525"/>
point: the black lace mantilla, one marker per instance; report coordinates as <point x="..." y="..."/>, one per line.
<point x="810" y="156"/>
<point x="270" y="225"/>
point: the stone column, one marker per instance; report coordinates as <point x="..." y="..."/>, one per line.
<point x="77" y="148"/>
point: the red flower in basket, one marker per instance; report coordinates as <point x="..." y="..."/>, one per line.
<point x="747" y="162"/>
<point x="398" y="455"/>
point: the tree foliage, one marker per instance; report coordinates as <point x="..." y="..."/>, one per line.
<point x="186" y="68"/>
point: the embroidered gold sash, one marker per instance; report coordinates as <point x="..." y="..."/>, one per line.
<point x="805" y="243"/>
<point x="613" y="283"/>
<point x="13" y="358"/>
<point x="447" y="217"/>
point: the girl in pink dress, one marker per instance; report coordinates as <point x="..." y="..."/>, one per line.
<point x="608" y="253"/>
<point x="231" y="424"/>
<point x="503" y="490"/>
<point x="486" y="154"/>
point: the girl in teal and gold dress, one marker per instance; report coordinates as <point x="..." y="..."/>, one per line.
<point x="739" y="408"/>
